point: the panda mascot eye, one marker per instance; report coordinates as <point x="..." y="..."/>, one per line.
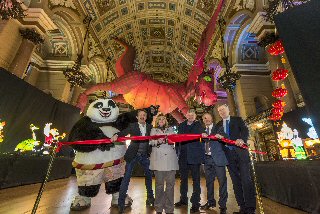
<point x="98" y="105"/>
<point x="111" y="104"/>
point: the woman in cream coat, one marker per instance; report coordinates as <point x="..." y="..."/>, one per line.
<point x="164" y="162"/>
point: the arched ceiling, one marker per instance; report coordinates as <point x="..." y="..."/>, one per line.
<point x="165" y="33"/>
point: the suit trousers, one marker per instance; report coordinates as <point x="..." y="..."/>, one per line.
<point x="164" y="196"/>
<point x="241" y="176"/>
<point x="184" y="169"/>
<point x="211" y="171"/>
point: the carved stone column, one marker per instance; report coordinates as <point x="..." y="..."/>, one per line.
<point x="67" y="92"/>
<point x="76" y="92"/>
<point x="32" y="77"/>
<point x="232" y="103"/>
<point x="20" y="62"/>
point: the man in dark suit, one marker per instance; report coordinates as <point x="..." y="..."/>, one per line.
<point x="239" y="160"/>
<point x="138" y="151"/>
<point x="191" y="156"/>
<point x="215" y="166"/>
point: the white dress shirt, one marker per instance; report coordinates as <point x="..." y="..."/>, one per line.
<point x="207" y="143"/>
<point x="143" y="129"/>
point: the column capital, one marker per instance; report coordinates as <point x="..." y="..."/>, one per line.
<point x="37" y="18"/>
<point x="260" y="26"/>
<point x="31" y="35"/>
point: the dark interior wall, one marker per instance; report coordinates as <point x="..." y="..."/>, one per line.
<point x="22" y="104"/>
<point x="299" y="28"/>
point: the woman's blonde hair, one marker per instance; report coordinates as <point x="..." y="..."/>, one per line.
<point x="157" y="121"/>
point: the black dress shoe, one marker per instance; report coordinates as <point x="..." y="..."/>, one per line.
<point x="194" y="210"/>
<point x="223" y="210"/>
<point x="207" y="206"/>
<point x="180" y="203"/>
<point x="150" y="202"/>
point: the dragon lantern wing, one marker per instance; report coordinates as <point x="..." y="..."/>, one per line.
<point x="125" y="62"/>
<point x="206" y="36"/>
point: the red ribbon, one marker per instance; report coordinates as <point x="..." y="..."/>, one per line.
<point x="173" y="138"/>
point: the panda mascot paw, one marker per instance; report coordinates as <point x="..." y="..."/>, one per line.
<point x="103" y="163"/>
<point x="80" y="203"/>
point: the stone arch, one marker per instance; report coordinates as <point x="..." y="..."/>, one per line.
<point x="235" y="27"/>
<point x="72" y="26"/>
<point x="103" y="73"/>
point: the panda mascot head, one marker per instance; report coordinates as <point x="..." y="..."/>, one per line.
<point x="103" y="111"/>
<point x="99" y="122"/>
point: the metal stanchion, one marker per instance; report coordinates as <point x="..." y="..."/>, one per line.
<point x="43" y="185"/>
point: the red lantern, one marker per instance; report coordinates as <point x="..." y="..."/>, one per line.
<point x="280" y="74"/>
<point x="278" y="110"/>
<point x="280" y="92"/>
<point x="278" y="104"/>
<point x="276" y="117"/>
<point x="276" y="48"/>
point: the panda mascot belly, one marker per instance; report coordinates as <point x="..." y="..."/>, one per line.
<point x="98" y="164"/>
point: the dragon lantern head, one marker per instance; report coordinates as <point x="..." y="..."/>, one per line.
<point x="204" y="89"/>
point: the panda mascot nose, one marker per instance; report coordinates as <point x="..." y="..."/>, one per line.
<point x="105" y="109"/>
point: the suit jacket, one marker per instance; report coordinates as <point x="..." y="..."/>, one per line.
<point x="163" y="157"/>
<point x="216" y="147"/>
<point x="134" y="130"/>
<point x="190" y="152"/>
<point x="237" y="129"/>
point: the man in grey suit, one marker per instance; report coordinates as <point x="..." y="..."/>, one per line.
<point x="215" y="166"/>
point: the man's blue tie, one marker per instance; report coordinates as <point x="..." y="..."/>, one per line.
<point x="228" y="133"/>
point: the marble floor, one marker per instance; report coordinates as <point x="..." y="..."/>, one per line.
<point x="58" y="195"/>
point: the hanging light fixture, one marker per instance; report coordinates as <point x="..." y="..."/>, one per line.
<point x="74" y="75"/>
<point x="11" y="9"/>
<point x="228" y="79"/>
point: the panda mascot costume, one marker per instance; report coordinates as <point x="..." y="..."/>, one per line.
<point x="102" y="163"/>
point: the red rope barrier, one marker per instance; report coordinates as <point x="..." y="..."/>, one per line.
<point x="173" y="138"/>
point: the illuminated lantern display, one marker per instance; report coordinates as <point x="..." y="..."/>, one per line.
<point x="2" y="124"/>
<point x="280" y="92"/>
<point x="276" y="48"/>
<point x="278" y="104"/>
<point x="280" y="74"/>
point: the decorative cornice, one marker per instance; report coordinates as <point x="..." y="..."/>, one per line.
<point x="31" y="35"/>
<point x="250" y="67"/>
<point x="259" y="23"/>
<point x="40" y="17"/>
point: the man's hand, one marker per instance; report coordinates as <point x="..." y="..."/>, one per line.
<point x="204" y="135"/>
<point x="239" y="142"/>
<point x="114" y="138"/>
<point x="219" y="136"/>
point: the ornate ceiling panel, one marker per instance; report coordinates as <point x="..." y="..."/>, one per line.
<point x="165" y="33"/>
